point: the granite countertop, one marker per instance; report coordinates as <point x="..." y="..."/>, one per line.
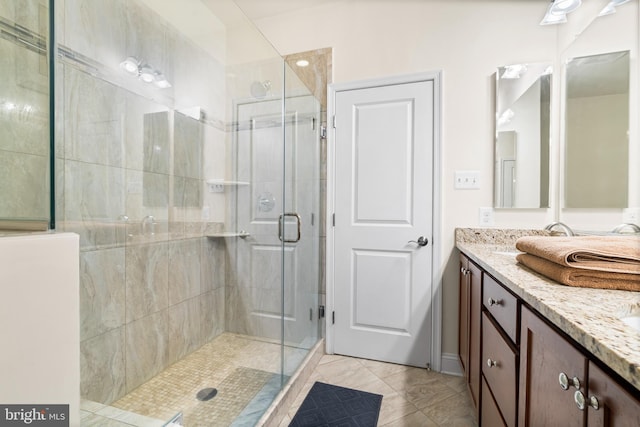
<point x="590" y="316"/>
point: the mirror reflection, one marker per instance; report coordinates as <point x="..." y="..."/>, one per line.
<point x="596" y="131"/>
<point x="521" y="174"/>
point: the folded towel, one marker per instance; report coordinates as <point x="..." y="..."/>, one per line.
<point x="619" y="254"/>
<point x="581" y="277"/>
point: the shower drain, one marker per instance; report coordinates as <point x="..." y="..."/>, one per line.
<point x="207" y="394"/>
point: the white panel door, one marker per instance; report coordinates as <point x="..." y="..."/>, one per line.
<point x="383" y="202"/>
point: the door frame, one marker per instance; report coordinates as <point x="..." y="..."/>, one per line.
<point x="436" y="293"/>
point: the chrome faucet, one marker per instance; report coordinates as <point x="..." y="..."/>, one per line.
<point x="564" y="227"/>
<point x="634" y="227"/>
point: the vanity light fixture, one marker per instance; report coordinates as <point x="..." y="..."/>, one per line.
<point x="144" y="72"/>
<point x="147" y="74"/>
<point x="131" y="65"/>
<point x="161" y="81"/>
<point x="558" y="10"/>
<point x="506" y="117"/>
<point x="611" y="7"/>
<point x="513" y="71"/>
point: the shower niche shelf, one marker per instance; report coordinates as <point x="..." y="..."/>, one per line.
<point x="219" y="185"/>
<point x="240" y="233"/>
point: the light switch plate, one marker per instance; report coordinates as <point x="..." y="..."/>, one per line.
<point x="468" y="180"/>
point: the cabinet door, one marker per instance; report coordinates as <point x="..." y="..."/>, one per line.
<point x="463" y="316"/>
<point x="544" y="356"/>
<point x="616" y="406"/>
<point x="475" y="329"/>
<point x="490" y="413"/>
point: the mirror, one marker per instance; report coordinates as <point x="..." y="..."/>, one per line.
<point x="600" y="119"/>
<point x="523" y="110"/>
<point x="596" y="131"/>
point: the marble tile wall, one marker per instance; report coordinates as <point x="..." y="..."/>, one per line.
<point x="131" y="185"/>
<point x="24" y="116"/>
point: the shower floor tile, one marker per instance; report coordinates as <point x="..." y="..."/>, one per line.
<point x="242" y="369"/>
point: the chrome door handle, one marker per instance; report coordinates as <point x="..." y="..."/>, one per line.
<point x="422" y="241"/>
<point x="280" y="222"/>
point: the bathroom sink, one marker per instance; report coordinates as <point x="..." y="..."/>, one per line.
<point x="633" y="321"/>
<point x="630" y="314"/>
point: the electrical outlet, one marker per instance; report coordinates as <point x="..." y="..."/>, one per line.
<point x="469" y="180"/>
<point x="215" y="187"/>
<point x="485" y="216"/>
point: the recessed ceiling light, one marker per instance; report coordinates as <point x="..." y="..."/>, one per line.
<point x="302" y="63"/>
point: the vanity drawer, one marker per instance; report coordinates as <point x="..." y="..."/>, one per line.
<point x="499" y="369"/>
<point x="502" y="305"/>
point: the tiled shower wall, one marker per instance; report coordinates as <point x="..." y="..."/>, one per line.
<point x="130" y="178"/>
<point x="24" y="115"/>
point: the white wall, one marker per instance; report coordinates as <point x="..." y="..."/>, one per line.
<point x="467" y="40"/>
<point x="40" y="321"/>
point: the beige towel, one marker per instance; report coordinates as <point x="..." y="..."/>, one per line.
<point x="618" y="254"/>
<point x="581" y="277"/>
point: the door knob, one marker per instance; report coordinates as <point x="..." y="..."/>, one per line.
<point x="422" y="241"/>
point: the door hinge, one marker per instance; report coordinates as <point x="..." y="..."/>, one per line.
<point x="321" y="312"/>
<point x="323" y="132"/>
<point x="333" y="219"/>
<point x="333" y="317"/>
<point x="313" y="123"/>
<point x="333" y="119"/>
<point x="311" y="314"/>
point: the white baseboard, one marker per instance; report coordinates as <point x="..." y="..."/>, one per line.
<point x="450" y="364"/>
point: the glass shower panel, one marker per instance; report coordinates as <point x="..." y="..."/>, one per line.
<point x="25" y="143"/>
<point x="301" y="225"/>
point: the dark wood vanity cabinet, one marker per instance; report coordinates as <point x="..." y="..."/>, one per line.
<point x="559" y="385"/>
<point x="523" y="371"/>
<point x="546" y="359"/>
<point x="470" y="325"/>
<point x="610" y="404"/>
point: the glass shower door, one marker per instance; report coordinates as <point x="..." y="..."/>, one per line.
<point x="301" y="228"/>
<point x="278" y="158"/>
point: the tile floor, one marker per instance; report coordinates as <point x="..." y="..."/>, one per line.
<point x="412" y="397"/>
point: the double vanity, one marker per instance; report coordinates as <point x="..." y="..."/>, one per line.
<point x="538" y="353"/>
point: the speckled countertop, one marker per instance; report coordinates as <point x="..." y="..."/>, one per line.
<point x="590" y="316"/>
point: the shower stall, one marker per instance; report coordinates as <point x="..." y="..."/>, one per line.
<point x="186" y="156"/>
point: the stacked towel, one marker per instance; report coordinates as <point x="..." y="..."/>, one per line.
<point x="607" y="262"/>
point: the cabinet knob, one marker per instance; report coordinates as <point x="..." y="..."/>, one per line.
<point x="594" y="403"/>
<point x="492" y="363"/>
<point x="565" y="382"/>
<point x="492" y="301"/>
<point x="464" y="271"/>
<point x="580" y="400"/>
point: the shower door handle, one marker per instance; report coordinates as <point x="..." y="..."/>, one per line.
<point x="281" y="221"/>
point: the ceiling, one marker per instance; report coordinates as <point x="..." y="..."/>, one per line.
<point x="257" y="9"/>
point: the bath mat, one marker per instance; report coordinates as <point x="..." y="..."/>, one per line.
<point x="329" y="405"/>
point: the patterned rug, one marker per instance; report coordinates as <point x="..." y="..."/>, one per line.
<point x="330" y="406"/>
